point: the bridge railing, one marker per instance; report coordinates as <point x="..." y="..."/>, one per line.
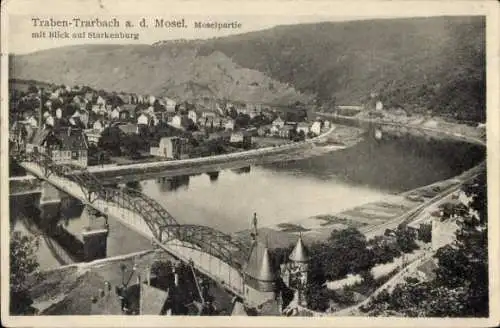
<point x="162" y="225"/>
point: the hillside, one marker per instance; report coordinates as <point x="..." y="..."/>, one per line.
<point x="425" y="63"/>
<point x="176" y="71"/>
<point x="436" y="63"/>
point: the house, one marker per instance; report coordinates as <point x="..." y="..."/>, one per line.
<point x="125" y="98"/>
<point x="84" y="116"/>
<point x="89" y="96"/>
<point x="302" y="126"/>
<point x="316" y="128"/>
<point x="286" y="131"/>
<point x="229" y="125"/>
<point x="98" y="108"/>
<point x="75" y="122"/>
<point x="101" y="101"/>
<point x="219" y="109"/>
<point x="64" y="145"/>
<point x="169" y="104"/>
<point x="198" y="135"/>
<point x="177" y="121"/>
<point x="98" y="126"/>
<point x="192" y="115"/>
<point x="379" y="105"/>
<point x="223" y="136"/>
<point x="49" y="120"/>
<point x="115" y="114"/>
<point x="151" y="99"/>
<point x="241" y="139"/>
<point x="129" y="128"/>
<point x="59" y="113"/>
<point x="274" y="130"/>
<point x="77" y="100"/>
<point x="253" y="114"/>
<point x="278" y="122"/>
<point x="93" y="136"/>
<point x="31" y="120"/>
<point x="208" y="114"/>
<point x="125" y="115"/>
<point x="142" y="119"/>
<point x="263" y="130"/>
<point x="171" y="147"/>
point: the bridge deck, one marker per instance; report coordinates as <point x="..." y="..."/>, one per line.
<point x="218" y="270"/>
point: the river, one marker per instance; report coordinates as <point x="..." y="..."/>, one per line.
<point x="329" y="183"/>
<point x="296" y="189"/>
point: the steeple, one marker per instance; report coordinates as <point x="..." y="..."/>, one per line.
<point x="299" y="253"/>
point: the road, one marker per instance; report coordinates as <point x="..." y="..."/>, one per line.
<point x="203" y="164"/>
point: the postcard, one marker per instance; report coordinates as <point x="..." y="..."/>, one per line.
<point x="284" y="163"/>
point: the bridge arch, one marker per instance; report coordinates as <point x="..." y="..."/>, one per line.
<point x="163" y="226"/>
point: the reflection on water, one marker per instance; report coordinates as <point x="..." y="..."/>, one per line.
<point x="277" y="196"/>
<point x="393" y="165"/>
<point x="242" y="170"/>
<point x="173" y="183"/>
<point x="299" y="189"/>
<point x="214" y="176"/>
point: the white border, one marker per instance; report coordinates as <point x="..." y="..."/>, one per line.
<point x="354" y="8"/>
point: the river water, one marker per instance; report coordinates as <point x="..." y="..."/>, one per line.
<point x="298" y="189"/>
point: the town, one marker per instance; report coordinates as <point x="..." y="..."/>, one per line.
<point x="124" y="128"/>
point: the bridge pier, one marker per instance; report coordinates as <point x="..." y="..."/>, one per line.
<point x="95" y="236"/>
<point x="95" y="244"/>
<point x="71" y="207"/>
<point x="49" y="205"/>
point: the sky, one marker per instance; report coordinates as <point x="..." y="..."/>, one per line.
<point x="253" y="15"/>
<point x="21" y="29"/>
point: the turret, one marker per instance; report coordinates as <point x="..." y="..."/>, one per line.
<point x="295" y="272"/>
<point x="260" y="277"/>
<point x="299" y="253"/>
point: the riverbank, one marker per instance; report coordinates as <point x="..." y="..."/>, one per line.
<point x="205" y="164"/>
<point x="373" y="218"/>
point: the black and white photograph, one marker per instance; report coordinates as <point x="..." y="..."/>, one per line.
<point x="245" y="161"/>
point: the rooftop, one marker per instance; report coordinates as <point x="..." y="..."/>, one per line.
<point x="299" y="252"/>
<point x="67" y="138"/>
<point x="258" y="265"/>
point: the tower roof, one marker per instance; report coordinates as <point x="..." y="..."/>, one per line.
<point x="259" y="264"/>
<point x="299" y="253"/>
<point x="239" y="309"/>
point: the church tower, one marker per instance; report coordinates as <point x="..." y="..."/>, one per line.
<point x="260" y="277"/>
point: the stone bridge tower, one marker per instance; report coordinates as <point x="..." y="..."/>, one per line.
<point x="260" y="278"/>
<point x="295" y="272"/>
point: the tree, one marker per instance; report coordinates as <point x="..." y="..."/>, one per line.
<point x="32" y="89"/>
<point x="460" y="288"/>
<point x="242" y="121"/>
<point x="346" y="253"/>
<point x="405" y="239"/>
<point x="132" y="144"/>
<point x="111" y="140"/>
<point x="23" y="262"/>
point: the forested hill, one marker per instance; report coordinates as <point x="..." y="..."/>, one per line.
<point x="424" y="63"/>
<point x="436" y="63"/>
